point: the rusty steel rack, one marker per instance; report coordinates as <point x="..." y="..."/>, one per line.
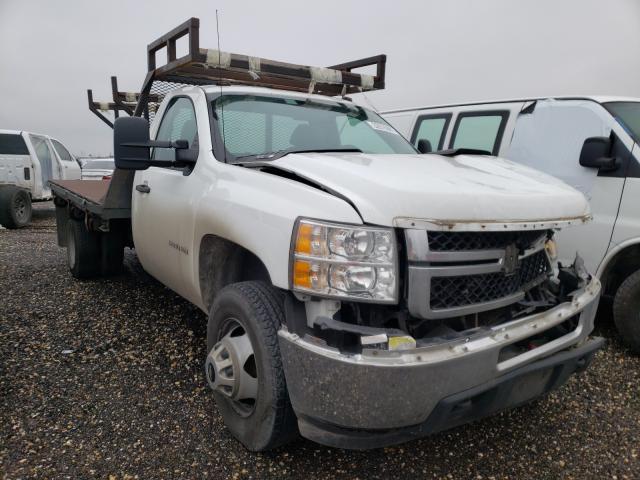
<point x="210" y="66"/>
<point x="122" y="102"/>
<point x="98" y="108"/>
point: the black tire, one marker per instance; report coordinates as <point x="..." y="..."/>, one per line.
<point x="15" y="207"/>
<point x="626" y="311"/>
<point x="112" y="253"/>
<point x="259" y="308"/>
<point x="83" y="250"/>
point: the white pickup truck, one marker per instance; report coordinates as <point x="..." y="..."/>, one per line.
<point x="27" y="162"/>
<point x="357" y="291"/>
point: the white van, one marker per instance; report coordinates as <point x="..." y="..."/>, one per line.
<point x="27" y="162"/>
<point x="589" y="142"/>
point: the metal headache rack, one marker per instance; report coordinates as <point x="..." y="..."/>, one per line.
<point x="201" y="66"/>
<point x="122" y="102"/>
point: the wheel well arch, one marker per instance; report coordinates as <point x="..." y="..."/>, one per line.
<point x="222" y="262"/>
<point x="622" y="264"/>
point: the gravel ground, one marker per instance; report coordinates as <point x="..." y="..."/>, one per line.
<point x="104" y="379"/>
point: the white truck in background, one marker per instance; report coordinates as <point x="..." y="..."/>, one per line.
<point x="357" y="291"/>
<point x="97" y="168"/>
<point x="590" y="142"/>
<point x="28" y="161"/>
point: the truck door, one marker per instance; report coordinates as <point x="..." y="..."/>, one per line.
<point x="550" y="139"/>
<point x="48" y="169"/>
<point x="70" y="168"/>
<point x="163" y="203"/>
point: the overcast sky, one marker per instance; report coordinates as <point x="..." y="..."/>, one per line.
<point x="438" y="51"/>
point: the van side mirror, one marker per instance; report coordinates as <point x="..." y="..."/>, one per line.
<point x="596" y="153"/>
<point x="424" y="146"/>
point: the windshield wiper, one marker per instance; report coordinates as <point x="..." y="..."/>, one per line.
<point x="281" y="153"/>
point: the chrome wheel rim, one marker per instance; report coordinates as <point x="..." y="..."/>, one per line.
<point x="231" y="367"/>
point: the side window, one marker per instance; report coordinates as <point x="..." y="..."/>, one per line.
<point x="12" y="144"/>
<point x="479" y="130"/>
<point x="432" y="128"/>
<point x="62" y="152"/>
<point x="178" y="123"/>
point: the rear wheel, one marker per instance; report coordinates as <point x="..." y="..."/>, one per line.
<point x="244" y="368"/>
<point x="83" y="250"/>
<point x="15" y="207"/>
<point x="626" y="311"/>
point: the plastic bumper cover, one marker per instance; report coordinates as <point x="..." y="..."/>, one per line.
<point x="381" y="397"/>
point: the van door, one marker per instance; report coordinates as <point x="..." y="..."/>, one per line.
<point x="627" y="228"/>
<point x="549" y="138"/>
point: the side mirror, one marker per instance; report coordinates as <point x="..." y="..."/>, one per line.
<point x="424" y="146"/>
<point x="130" y="140"/>
<point x="596" y="153"/>
<point x="131" y="146"/>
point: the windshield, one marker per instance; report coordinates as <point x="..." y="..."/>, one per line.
<point x="626" y="114"/>
<point x="256" y="126"/>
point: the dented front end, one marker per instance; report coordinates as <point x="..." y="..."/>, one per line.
<point x="486" y="321"/>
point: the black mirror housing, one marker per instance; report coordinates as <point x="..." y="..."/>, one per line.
<point x="596" y="153"/>
<point x="130" y="143"/>
<point x="424" y="146"/>
<point x="132" y="146"/>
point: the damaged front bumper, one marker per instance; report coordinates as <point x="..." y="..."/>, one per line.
<point x="379" y="397"/>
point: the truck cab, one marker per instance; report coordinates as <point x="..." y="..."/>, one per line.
<point x="358" y="293"/>
<point x="589" y="142"/>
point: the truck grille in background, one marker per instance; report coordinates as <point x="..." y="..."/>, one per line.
<point x="464" y="290"/>
<point x="458" y="241"/>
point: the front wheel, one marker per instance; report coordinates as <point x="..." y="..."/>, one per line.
<point x="626" y="311"/>
<point x="244" y="368"/>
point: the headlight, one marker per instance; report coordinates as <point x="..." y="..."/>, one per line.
<point x="344" y="261"/>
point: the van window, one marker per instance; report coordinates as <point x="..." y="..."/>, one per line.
<point x="479" y="130"/>
<point x="628" y="115"/>
<point x="432" y="128"/>
<point x="12" y="144"/>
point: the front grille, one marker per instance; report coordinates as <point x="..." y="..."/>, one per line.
<point x="465" y="241"/>
<point x="464" y="290"/>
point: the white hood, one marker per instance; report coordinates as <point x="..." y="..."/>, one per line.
<point x="465" y="188"/>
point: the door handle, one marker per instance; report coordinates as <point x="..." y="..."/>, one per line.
<point x="143" y="188"/>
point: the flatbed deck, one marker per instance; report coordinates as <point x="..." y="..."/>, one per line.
<point x="92" y="191"/>
<point x="106" y="199"/>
